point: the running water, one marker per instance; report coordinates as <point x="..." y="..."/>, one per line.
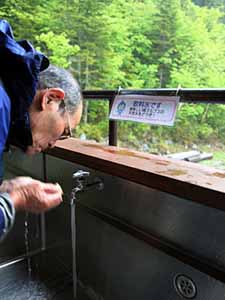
<point x="31" y="289"/>
<point x="27" y="245"/>
<point x="73" y="237"/>
<point x="29" y="286"/>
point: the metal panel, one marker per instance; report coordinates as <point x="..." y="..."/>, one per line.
<point x="118" y="266"/>
<point x="113" y="264"/>
<point x="194" y="229"/>
<point x="192" y="226"/>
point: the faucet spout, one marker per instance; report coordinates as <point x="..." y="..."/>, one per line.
<point x="81" y="182"/>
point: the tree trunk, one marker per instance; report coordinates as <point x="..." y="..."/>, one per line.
<point x="85" y="106"/>
<point x="205" y="113"/>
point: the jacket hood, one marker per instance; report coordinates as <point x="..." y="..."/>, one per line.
<point x="20" y="65"/>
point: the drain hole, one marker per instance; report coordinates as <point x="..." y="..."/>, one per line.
<point x="185" y="287"/>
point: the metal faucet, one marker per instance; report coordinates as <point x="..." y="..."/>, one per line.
<point x="80" y="185"/>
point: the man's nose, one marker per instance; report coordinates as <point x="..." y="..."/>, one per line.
<point x="51" y="144"/>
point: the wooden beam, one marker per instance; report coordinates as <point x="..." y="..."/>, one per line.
<point x="198" y="183"/>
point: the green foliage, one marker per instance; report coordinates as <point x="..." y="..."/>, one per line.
<point x="210" y="3"/>
<point x="97" y="132"/>
<point x="58" y="48"/>
<point x="133" y="44"/>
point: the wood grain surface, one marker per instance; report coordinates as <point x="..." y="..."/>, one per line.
<point x="187" y="180"/>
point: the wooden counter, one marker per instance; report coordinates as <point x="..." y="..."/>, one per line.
<point x="186" y="180"/>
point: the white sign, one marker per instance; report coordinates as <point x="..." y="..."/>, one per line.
<point x="147" y="109"/>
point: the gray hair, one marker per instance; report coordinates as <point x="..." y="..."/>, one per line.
<point x="57" y="77"/>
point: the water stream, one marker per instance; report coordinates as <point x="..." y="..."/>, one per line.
<point x="31" y="286"/>
<point x="27" y="248"/>
<point x="73" y="238"/>
<point x="27" y="244"/>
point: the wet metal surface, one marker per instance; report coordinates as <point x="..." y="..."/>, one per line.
<point x="49" y="280"/>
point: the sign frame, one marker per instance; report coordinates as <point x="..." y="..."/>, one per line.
<point x="155" y="110"/>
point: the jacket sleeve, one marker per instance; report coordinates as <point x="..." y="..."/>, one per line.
<point x="7" y="214"/>
<point x="7" y="210"/>
<point x="5" y="107"/>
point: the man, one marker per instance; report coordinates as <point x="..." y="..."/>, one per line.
<point x="39" y="104"/>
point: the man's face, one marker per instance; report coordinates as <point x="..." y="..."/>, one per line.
<point x="49" y="122"/>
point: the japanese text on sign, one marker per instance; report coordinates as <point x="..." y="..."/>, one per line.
<point x="147" y="109"/>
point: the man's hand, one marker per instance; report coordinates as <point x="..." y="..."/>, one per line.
<point x="32" y="195"/>
<point x="9" y="185"/>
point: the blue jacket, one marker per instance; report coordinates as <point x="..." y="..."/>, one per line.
<point x="20" y="65"/>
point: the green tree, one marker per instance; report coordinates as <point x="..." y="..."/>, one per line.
<point x="210" y="3"/>
<point x="58" y="48"/>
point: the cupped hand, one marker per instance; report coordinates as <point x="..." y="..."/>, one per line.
<point x="35" y="196"/>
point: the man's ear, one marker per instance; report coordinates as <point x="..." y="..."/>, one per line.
<point x="51" y="98"/>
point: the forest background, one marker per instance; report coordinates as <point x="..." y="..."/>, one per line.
<point x="135" y="44"/>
